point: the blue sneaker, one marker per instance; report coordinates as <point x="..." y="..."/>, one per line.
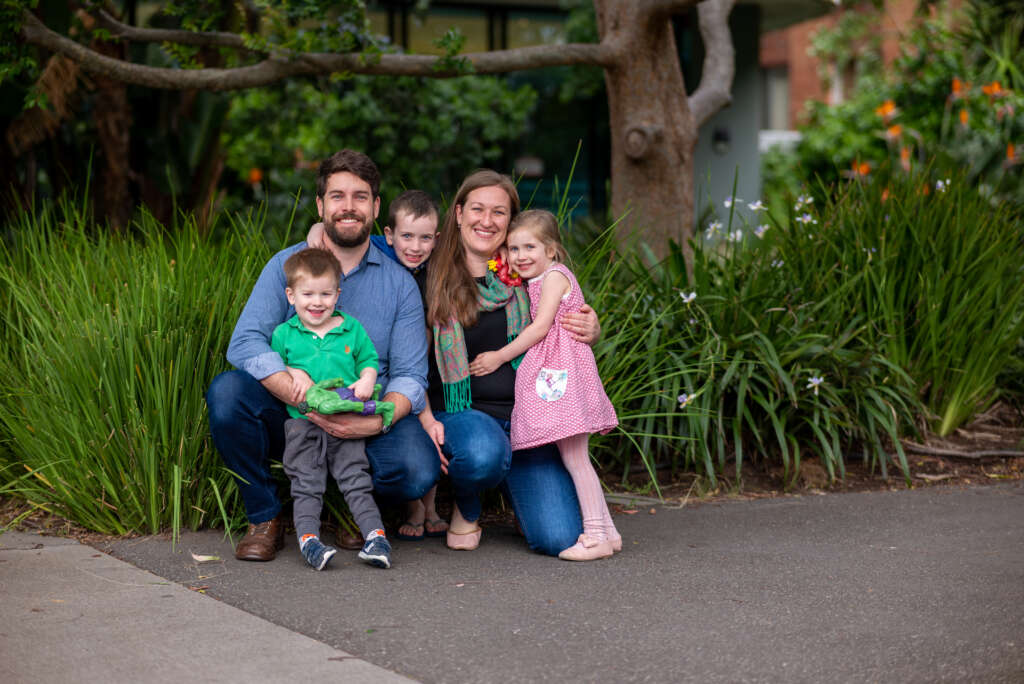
<point x="318" y="554"/>
<point x="377" y="552"/>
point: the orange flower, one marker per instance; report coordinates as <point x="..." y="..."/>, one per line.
<point x="1011" y="153"/>
<point x="894" y="132"/>
<point x="885" y="194"/>
<point x="905" y="158"/>
<point x="255" y="175"/>
<point x="926" y="189"/>
<point x="963" y="117"/>
<point x="959" y="87"/>
<point x="861" y="168"/>
<point x="993" y="89"/>
<point x="886" y="110"/>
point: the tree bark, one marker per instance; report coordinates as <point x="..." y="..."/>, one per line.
<point x="653" y="126"/>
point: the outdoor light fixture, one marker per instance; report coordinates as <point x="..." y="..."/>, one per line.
<point x="720" y="140"/>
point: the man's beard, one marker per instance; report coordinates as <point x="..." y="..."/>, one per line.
<point x="332" y="232"/>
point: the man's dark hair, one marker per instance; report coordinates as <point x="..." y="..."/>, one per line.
<point x="356" y="163"/>
<point x="313" y="262"/>
<point x="414" y="202"/>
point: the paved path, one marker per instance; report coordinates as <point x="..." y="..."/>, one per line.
<point x="913" y="586"/>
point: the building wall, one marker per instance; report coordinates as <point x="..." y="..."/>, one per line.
<point x="789" y="48"/>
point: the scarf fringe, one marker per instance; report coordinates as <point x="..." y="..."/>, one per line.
<point x="457" y="396"/>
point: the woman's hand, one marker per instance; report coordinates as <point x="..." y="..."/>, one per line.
<point x="582" y="325"/>
<point x="317" y="237"/>
<point x="485" y="363"/>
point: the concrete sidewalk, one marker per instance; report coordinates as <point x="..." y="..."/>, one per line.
<point x="911" y="586"/>
<point x="69" y="613"/>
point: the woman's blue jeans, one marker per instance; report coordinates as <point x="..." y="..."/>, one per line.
<point x="247" y="426"/>
<point x="534" y="480"/>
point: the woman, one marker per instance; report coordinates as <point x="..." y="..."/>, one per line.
<point x="470" y="311"/>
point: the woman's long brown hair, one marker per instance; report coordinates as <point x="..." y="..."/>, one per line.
<point x="451" y="289"/>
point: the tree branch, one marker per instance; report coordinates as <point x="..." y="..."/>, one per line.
<point x="713" y="93"/>
<point x="280" y="67"/>
<point x="144" y="35"/>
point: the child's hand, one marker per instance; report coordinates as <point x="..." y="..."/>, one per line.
<point x="485" y="363"/>
<point x="363" y="388"/>
<point x="317" y="237"/>
<point x="301" y="382"/>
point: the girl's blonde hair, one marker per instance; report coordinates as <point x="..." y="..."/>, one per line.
<point x="545" y="228"/>
<point x="451" y="288"/>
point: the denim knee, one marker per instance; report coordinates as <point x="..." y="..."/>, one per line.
<point x="404" y="462"/>
<point x="223" y="396"/>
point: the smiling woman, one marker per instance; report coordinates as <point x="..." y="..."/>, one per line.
<point x="471" y="311"/>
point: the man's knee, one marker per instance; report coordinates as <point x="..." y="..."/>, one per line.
<point x="404" y="462"/>
<point x="224" y="396"/>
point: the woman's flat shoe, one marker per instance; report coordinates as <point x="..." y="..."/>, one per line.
<point x="464" y="542"/>
<point x="587" y="549"/>
<point x="616" y="542"/>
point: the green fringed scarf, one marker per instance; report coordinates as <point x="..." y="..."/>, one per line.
<point x="450" y="339"/>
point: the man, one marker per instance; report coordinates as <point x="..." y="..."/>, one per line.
<point x="247" y="406"/>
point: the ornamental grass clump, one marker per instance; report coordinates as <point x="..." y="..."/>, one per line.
<point x="935" y="269"/>
<point x="108" y="347"/>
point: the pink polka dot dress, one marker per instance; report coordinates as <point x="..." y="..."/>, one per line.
<point x="558" y="391"/>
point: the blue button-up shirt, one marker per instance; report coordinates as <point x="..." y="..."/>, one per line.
<point x="378" y="292"/>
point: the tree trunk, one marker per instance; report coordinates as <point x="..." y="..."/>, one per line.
<point x="653" y="131"/>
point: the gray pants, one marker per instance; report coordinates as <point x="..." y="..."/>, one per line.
<point x="308" y="454"/>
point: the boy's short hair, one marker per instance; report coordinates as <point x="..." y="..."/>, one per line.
<point x="414" y="202"/>
<point x="313" y="262"/>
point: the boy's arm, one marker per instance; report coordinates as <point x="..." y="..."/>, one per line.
<point x="291" y="385"/>
<point x="551" y="290"/>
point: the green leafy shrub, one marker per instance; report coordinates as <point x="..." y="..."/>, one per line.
<point x="428" y="133"/>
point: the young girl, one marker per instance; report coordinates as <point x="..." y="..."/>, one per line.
<point x="559" y="396"/>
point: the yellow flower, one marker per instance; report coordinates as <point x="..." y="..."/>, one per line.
<point x="492" y="264"/>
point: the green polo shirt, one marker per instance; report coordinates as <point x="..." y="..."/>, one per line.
<point x="342" y="353"/>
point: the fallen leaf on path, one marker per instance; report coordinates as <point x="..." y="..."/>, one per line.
<point x="630" y="511"/>
<point x="934" y="478"/>
<point x="204" y="559"/>
<point x="653" y="511"/>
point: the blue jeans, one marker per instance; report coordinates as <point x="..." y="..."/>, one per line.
<point x="534" y="480"/>
<point x="247" y="425"/>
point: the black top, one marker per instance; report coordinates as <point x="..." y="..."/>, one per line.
<point x="493" y="394"/>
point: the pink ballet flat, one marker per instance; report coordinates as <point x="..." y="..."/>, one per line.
<point x="587" y="549"/>
<point x="464" y="542"/>
<point x="616" y="542"/>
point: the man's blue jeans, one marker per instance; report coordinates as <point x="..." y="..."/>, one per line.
<point x="247" y="425"/>
<point x="534" y="480"/>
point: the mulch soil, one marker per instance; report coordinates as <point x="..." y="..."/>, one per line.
<point x="988" y="450"/>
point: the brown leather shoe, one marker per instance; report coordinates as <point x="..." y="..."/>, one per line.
<point x="347" y="540"/>
<point x="262" y="542"/>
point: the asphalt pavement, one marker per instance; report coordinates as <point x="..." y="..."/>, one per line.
<point x="924" y="585"/>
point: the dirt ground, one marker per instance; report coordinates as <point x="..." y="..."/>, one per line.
<point x="989" y="450"/>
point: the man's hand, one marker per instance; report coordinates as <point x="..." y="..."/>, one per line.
<point x="347" y="425"/>
<point x="582" y="325"/>
<point x="317" y="237"/>
<point x="485" y="363"/>
<point x="363" y="388"/>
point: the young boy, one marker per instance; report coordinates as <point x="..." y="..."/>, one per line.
<point x="409" y="238"/>
<point x="326" y="344"/>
